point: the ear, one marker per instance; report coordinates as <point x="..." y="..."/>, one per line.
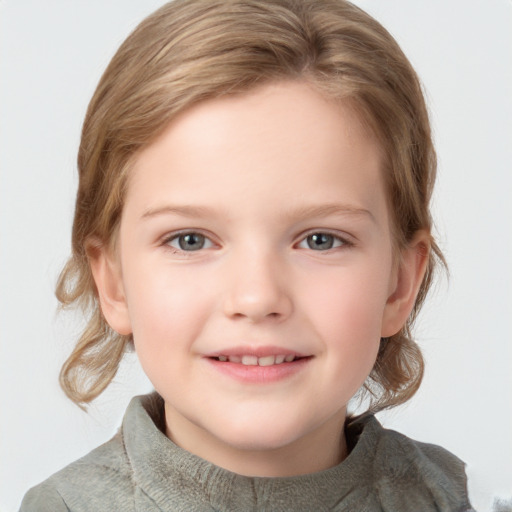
<point x="106" y="271"/>
<point x="406" y="283"/>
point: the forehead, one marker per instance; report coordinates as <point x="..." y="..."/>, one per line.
<point x="283" y="141"/>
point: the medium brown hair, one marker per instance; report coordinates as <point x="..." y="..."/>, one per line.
<point x="192" y="50"/>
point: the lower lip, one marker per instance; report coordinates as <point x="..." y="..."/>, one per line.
<point x="259" y="374"/>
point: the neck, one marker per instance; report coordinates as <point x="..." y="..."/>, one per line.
<point x="318" y="450"/>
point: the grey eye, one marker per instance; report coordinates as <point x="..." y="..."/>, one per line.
<point x="320" y="241"/>
<point x="189" y="242"/>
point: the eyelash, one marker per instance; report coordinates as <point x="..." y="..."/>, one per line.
<point x="176" y="237"/>
<point x="342" y="242"/>
<point x="337" y="241"/>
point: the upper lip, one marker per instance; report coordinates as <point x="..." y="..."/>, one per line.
<point x="258" y="351"/>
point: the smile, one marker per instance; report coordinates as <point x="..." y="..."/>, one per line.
<point x="252" y="360"/>
<point x="262" y="365"/>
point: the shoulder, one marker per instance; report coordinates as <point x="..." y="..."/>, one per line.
<point x="96" y="476"/>
<point x="408" y="473"/>
<point x="430" y="461"/>
<point x="43" y="498"/>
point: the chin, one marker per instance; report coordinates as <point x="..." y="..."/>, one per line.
<point x="260" y="437"/>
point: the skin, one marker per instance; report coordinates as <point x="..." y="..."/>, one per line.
<point x="258" y="175"/>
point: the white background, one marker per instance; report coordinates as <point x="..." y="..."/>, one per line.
<point x="52" y="53"/>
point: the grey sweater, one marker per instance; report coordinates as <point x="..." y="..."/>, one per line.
<point x="140" y="469"/>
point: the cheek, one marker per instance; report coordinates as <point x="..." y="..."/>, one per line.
<point x="350" y="305"/>
<point x="347" y="314"/>
<point x="165" y="311"/>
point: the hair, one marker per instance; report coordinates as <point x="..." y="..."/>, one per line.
<point x="189" y="51"/>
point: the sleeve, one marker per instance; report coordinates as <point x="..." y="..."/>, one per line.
<point x="43" y="498"/>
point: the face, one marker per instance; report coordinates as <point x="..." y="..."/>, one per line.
<point x="255" y="271"/>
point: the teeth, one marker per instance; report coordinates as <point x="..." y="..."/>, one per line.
<point x="267" y="361"/>
<point x="250" y="360"/>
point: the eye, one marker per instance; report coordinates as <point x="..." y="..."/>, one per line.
<point x="322" y="242"/>
<point x="190" y="241"/>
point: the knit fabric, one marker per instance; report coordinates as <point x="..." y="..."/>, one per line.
<point x="140" y="469"/>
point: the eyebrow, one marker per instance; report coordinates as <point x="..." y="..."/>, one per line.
<point x="303" y="212"/>
<point x="330" y="209"/>
<point x="183" y="210"/>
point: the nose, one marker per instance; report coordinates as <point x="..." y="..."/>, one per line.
<point x="258" y="288"/>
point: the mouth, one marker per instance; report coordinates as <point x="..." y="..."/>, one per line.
<point x="259" y="366"/>
<point x="252" y="360"/>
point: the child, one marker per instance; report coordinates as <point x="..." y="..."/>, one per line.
<point x="253" y="217"/>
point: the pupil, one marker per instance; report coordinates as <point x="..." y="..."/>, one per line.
<point x="320" y="241"/>
<point x="191" y="242"/>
